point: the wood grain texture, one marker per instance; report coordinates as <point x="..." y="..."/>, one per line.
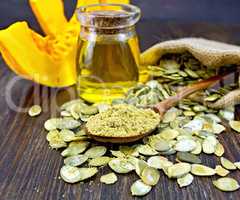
<point x="29" y="170"/>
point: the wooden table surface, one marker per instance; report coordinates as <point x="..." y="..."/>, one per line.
<point x="29" y="170"/>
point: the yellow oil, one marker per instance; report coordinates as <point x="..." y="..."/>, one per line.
<point x="108" y="65"/>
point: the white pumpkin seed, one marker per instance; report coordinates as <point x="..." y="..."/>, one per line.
<point x="99" y="161"/>
<point x="185" y="180"/>
<point x="170" y="115"/>
<point x="35" y="111"/>
<point x="159" y="144"/>
<point x="75" y="148"/>
<point x="156" y="161"/>
<point x="237" y="164"/>
<point x="226" y="184"/>
<point x="227" y="164"/>
<point x="96" y="151"/>
<point x="61" y="123"/>
<point x="139" y="188"/>
<point x="198" y="148"/>
<point x="65" y="113"/>
<point x="120" y="165"/>
<point x="150" y="176"/>
<point x="226" y="114"/>
<point x="202" y="170"/>
<point x="235" y="125"/>
<point x="209" y="145"/>
<point x="219" y="150"/>
<point x="178" y="170"/>
<point x="218" y="128"/>
<point x="146" y="150"/>
<point x="67" y="135"/>
<point x="110" y="178"/>
<point x="140" y="165"/>
<point x="221" y="171"/>
<point x="185" y="145"/>
<point x="75" y="160"/>
<point x="195" y="125"/>
<point x="72" y="174"/>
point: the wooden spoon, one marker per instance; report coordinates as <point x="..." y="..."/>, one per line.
<point x="161" y="108"/>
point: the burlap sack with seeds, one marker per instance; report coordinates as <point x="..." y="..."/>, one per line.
<point x="210" y="53"/>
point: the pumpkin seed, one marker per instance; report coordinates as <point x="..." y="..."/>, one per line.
<point x="96" y="151"/>
<point x="209" y="145"/>
<point x="89" y="110"/>
<point x="75" y="160"/>
<point x="159" y="144"/>
<point x="198" y="148"/>
<point x="54" y="139"/>
<point x="61" y="123"/>
<point x="70" y="103"/>
<point x="67" y="135"/>
<point x="237" y="164"/>
<point x="170" y="115"/>
<point x="199" y="108"/>
<point x="227" y="164"/>
<point x="110" y="178"/>
<point x="218" y="128"/>
<point x="156" y="161"/>
<point x="185" y="180"/>
<point x="72" y="174"/>
<point x="219" y="150"/>
<point x="35" y="111"/>
<point x="195" y="125"/>
<point x="75" y="148"/>
<point x="150" y="176"/>
<point x="188" y="157"/>
<point x="226" y="114"/>
<point x="202" y="170"/>
<point x="118" y="154"/>
<point x="65" y="113"/>
<point x="178" y="170"/>
<point x="185" y="145"/>
<point x="226" y="184"/>
<point x="189" y="113"/>
<point x="212" y="97"/>
<point x="140" y="166"/>
<point x="102" y="107"/>
<point x="146" y="150"/>
<point x="169" y="134"/>
<point x="99" y="161"/>
<point x="221" y="171"/>
<point x="120" y="165"/>
<point x="129" y="151"/>
<point x="139" y="188"/>
<point x="235" y="125"/>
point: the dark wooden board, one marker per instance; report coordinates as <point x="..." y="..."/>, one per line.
<point x="29" y="170"/>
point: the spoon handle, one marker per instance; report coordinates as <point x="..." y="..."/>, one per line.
<point x="164" y="105"/>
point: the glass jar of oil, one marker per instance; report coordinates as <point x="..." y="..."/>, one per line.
<point x="108" y="54"/>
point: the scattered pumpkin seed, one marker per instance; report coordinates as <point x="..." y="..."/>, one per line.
<point x="146" y="150"/>
<point x="120" y="165"/>
<point x="35" y="111"/>
<point x="110" y="178"/>
<point x="159" y="144"/>
<point x="226" y="184"/>
<point x="178" y="170"/>
<point x="221" y="171"/>
<point x="188" y="157"/>
<point x="140" y="165"/>
<point x="198" y="148"/>
<point x="202" y="170"/>
<point x="237" y="164"/>
<point x="219" y="150"/>
<point x="75" y="148"/>
<point x="75" y="160"/>
<point x="96" y="151"/>
<point x="89" y="110"/>
<point x="235" y="125"/>
<point x="209" y="144"/>
<point x="185" y="145"/>
<point x="150" y="176"/>
<point x="99" y="161"/>
<point x="67" y="135"/>
<point x="185" y="180"/>
<point x="156" y="161"/>
<point x="139" y="188"/>
<point x="61" y="123"/>
<point x="169" y="134"/>
<point x="227" y="164"/>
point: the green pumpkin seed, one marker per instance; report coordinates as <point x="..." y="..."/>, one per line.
<point x="170" y="115"/>
<point x="75" y="160"/>
<point x="189" y="113"/>
<point x="54" y="139"/>
<point x="198" y="148"/>
<point x="185" y="145"/>
<point x="178" y="170"/>
<point x="146" y="150"/>
<point x="110" y="178"/>
<point x="129" y="151"/>
<point x="169" y="134"/>
<point x="212" y="97"/>
<point x="117" y="154"/>
<point x="185" y="180"/>
<point x="221" y="171"/>
<point x="96" y="151"/>
<point x="226" y="184"/>
<point x="67" y="135"/>
<point x="188" y="157"/>
<point x="120" y="165"/>
<point x="191" y="73"/>
<point x="65" y="113"/>
<point x="199" y="108"/>
<point x="235" y="125"/>
<point x="75" y="148"/>
<point x="219" y="150"/>
<point x="61" y="123"/>
<point x="34" y="111"/>
<point x="139" y="188"/>
<point x="69" y="104"/>
<point x="218" y="128"/>
<point x="159" y="144"/>
<point x="227" y="164"/>
<point x="99" y="161"/>
<point x="150" y="176"/>
<point x="89" y="110"/>
<point x="202" y="170"/>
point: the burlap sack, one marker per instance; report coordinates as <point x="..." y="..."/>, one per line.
<point x="210" y="53"/>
